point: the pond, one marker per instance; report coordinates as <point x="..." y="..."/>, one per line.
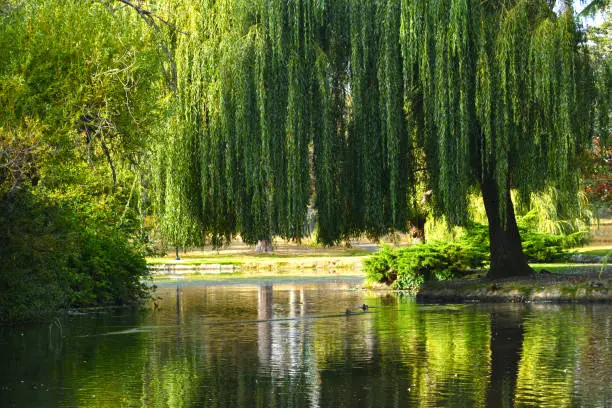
<point x="251" y="343"/>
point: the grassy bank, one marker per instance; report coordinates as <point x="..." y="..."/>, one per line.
<point x="286" y="257"/>
<point x="593" y="250"/>
<point x="558" y="282"/>
<point x="268" y="262"/>
<point x="257" y="279"/>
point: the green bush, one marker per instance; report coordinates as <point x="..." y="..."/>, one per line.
<point x="380" y="268"/>
<point x="52" y="258"/>
<point x="409" y="268"/>
<point x="537" y="246"/>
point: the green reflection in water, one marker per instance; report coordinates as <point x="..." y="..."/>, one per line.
<point x="294" y="346"/>
<point x="566" y="357"/>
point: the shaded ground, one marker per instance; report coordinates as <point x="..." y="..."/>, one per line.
<point x="601" y="234"/>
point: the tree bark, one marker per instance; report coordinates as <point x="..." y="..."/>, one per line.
<point x="110" y="160"/>
<point x="507" y="258"/>
<point x="417" y="230"/>
<point x="264" y="246"/>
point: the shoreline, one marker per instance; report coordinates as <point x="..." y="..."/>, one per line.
<point x="587" y="287"/>
<point x="329" y="265"/>
<point x="579" y="284"/>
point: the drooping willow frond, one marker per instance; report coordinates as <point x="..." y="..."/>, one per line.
<point x="289" y="104"/>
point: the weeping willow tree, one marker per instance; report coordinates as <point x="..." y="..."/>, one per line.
<point x="505" y="91"/>
<point x="284" y="105"/>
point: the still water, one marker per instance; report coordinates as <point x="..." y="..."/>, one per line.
<point x="291" y="344"/>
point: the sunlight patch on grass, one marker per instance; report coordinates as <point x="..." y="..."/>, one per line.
<point x="599" y="250"/>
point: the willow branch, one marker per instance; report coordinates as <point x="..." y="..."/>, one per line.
<point x="152" y="20"/>
<point x="150" y="17"/>
<point x="109" y="159"/>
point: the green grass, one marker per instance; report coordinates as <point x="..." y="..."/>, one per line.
<point x="593" y="251"/>
<point x="196" y="261"/>
<point x="246" y="278"/>
<point x="240" y="259"/>
<point x="570" y="268"/>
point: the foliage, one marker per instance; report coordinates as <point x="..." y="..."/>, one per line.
<point x="334" y="104"/>
<point x="593" y="7"/>
<point x="380" y="266"/>
<point x="20" y="150"/>
<point x="79" y="90"/>
<point x="537" y="246"/>
<point x="547" y="212"/>
<point x="545" y="247"/>
<point x="53" y="258"/>
<point x="410" y="267"/>
<point x="598" y="184"/>
<point x="80" y="84"/>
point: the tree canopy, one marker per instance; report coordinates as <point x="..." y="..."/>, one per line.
<point x="289" y="104"/>
<point x="79" y="90"/>
<point x="246" y="115"/>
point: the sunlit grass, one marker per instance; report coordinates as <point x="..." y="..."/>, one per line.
<point x="286" y="275"/>
<point x="241" y="254"/>
<point x="598" y="250"/>
<point x="251" y="259"/>
<point x="186" y="260"/>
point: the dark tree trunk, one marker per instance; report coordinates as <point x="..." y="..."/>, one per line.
<point x="110" y="160"/>
<point x="507" y="258"/>
<point x="417" y="230"/>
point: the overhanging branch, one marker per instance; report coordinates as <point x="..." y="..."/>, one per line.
<point x="150" y="17"/>
<point x="153" y="20"/>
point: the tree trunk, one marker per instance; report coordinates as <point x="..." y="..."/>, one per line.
<point x="417" y="230"/>
<point x="507" y="258"/>
<point x="264" y="246"/>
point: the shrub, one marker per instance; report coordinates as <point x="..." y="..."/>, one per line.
<point x="537" y="246"/>
<point x="379" y="267"/>
<point x="409" y="268"/>
<point x="52" y="258"/>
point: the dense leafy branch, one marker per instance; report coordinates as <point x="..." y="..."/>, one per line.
<point x="594" y="6"/>
<point x="153" y="20"/>
<point x="150" y="17"/>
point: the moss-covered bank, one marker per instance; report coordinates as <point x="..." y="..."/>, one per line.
<point x="541" y="287"/>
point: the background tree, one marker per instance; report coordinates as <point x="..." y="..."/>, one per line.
<point x="594" y="6"/>
<point x="598" y="184"/>
<point x="79" y="89"/>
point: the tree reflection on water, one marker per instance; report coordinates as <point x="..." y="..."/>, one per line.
<point x="293" y="345"/>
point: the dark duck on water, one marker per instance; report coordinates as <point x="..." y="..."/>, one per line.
<point x="363" y="307"/>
